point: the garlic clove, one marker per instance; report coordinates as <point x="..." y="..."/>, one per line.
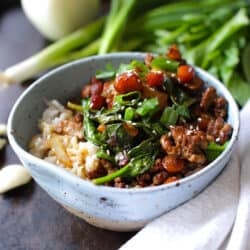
<point x="13" y="176"/>
<point x="2" y="143"/>
<point x="3" y="129"/>
<point x="58" y="18"/>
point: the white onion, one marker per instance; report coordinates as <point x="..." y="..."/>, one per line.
<point x="57" y="18"/>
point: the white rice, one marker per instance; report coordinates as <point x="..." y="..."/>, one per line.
<point x="81" y="154"/>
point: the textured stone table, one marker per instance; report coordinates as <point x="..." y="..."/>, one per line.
<point x="29" y="218"/>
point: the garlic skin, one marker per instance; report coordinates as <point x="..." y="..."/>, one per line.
<point x="58" y="18"/>
<point x="13" y="176"/>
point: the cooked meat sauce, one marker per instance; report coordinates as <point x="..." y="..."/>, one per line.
<point x="143" y="124"/>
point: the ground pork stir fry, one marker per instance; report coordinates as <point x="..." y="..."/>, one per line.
<point x="143" y="124"/>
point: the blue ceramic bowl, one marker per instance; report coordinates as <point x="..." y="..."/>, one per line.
<point x="105" y="207"/>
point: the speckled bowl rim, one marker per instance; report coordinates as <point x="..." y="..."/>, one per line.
<point x="68" y="176"/>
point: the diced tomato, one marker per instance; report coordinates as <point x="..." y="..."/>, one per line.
<point x="185" y="73"/>
<point x="162" y="97"/>
<point x="128" y="81"/>
<point x="96" y="88"/>
<point x="101" y="128"/>
<point x="174" y="53"/>
<point x="195" y="84"/>
<point x="94" y="80"/>
<point x="172" y="164"/>
<point x="109" y="92"/>
<point x="170" y="179"/>
<point x="131" y="130"/>
<point x="108" y="89"/>
<point x="155" y="78"/>
<point x="97" y="101"/>
<point x="86" y="91"/>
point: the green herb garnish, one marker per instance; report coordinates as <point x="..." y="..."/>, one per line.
<point x="213" y="150"/>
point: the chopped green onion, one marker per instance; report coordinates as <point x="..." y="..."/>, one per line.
<point x="183" y="111"/>
<point x="129" y="114"/>
<point x="89" y="128"/>
<point x="104" y="155"/>
<point x="144" y="148"/>
<point x="128" y="99"/>
<point x="52" y="55"/>
<point x="170" y="115"/>
<point x="135" y="167"/>
<point x="164" y="64"/>
<point x="213" y="150"/>
<point x="120" y="11"/>
<point x="75" y="106"/>
<point x="112" y="176"/>
<point x="139" y="66"/>
<point x="148" y="107"/>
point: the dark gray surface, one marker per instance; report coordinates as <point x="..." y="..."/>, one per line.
<point x="29" y="218"/>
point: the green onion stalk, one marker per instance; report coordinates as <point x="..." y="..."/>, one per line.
<point x="100" y="36"/>
<point x="211" y="34"/>
<point x="56" y="54"/>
